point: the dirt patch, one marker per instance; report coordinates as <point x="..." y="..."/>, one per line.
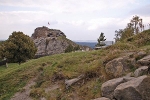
<point x="51" y="88"/>
<point x="25" y="93"/>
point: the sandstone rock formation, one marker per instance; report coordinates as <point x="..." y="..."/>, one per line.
<point x="127" y="87"/>
<point x="44" y="32"/>
<point x="51" y="41"/>
<point x="119" y="66"/>
<point x="108" y="87"/>
<point x="135" y="89"/>
<point x="141" y="71"/>
<point x="144" y="61"/>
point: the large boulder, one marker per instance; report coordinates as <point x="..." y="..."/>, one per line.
<point x="135" y="89"/>
<point x="119" y="66"/>
<point x="51" y="41"/>
<point x="141" y="71"/>
<point x="144" y="61"/>
<point x="108" y="87"/>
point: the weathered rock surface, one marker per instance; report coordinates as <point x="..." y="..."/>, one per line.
<point x="102" y="98"/>
<point x="51" y="41"/>
<point x="135" y="89"/>
<point x="44" y="32"/>
<point x="72" y="81"/>
<point x="108" y="87"/>
<point x="119" y="66"/>
<point x="141" y="71"/>
<point x="141" y="54"/>
<point x="144" y="61"/>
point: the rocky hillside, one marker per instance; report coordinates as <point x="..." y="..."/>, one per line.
<point x="51" y="41"/>
<point x="117" y="72"/>
<point x="130" y="78"/>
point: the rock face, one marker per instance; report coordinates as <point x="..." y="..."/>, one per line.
<point x="144" y="61"/>
<point x="44" y="32"/>
<point x="108" y="87"/>
<point x="119" y="66"/>
<point x="127" y="88"/>
<point x="141" y="71"/>
<point x="50" y="41"/>
<point x="136" y="89"/>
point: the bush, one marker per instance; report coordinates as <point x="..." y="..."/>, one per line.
<point x="70" y="48"/>
<point x="18" y="48"/>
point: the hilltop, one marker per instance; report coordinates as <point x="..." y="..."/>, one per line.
<point x="51" y="77"/>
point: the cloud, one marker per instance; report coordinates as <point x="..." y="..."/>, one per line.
<point x="69" y="5"/>
<point x="79" y="20"/>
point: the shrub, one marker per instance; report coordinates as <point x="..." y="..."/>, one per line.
<point x="18" y="48"/>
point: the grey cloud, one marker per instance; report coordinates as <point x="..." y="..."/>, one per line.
<point x="144" y="11"/>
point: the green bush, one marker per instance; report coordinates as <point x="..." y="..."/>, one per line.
<point x="70" y="48"/>
<point x="18" y="48"/>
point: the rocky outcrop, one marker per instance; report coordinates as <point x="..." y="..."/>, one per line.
<point x="141" y="71"/>
<point x="44" y="32"/>
<point x="51" y="41"/>
<point x="108" y="87"/>
<point x="136" y="89"/>
<point x="127" y="88"/>
<point x="119" y="66"/>
<point x="144" y="61"/>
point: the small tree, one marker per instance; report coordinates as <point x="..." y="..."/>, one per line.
<point x="101" y="40"/>
<point x="137" y="23"/>
<point x="18" y="48"/>
<point x="69" y="48"/>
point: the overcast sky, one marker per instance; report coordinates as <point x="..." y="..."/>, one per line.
<point x="80" y="20"/>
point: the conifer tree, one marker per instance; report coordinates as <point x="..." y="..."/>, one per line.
<point x="101" y="40"/>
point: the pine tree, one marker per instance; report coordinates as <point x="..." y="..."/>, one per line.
<point x="101" y="40"/>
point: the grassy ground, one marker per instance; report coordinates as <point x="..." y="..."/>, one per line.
<point x="56" y="68"/>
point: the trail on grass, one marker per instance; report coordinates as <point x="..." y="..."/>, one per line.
<point x="25" y="93"/>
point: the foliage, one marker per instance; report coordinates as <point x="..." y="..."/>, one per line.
<point x="137" y="24"/>
<point x="70" y="48"/>
<point x="1" y="50"/>
<point x="101" y="40"/>
<point x="18" y="48"/>
<point x="132" y="28"/>
<point x="140" y="39"/>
